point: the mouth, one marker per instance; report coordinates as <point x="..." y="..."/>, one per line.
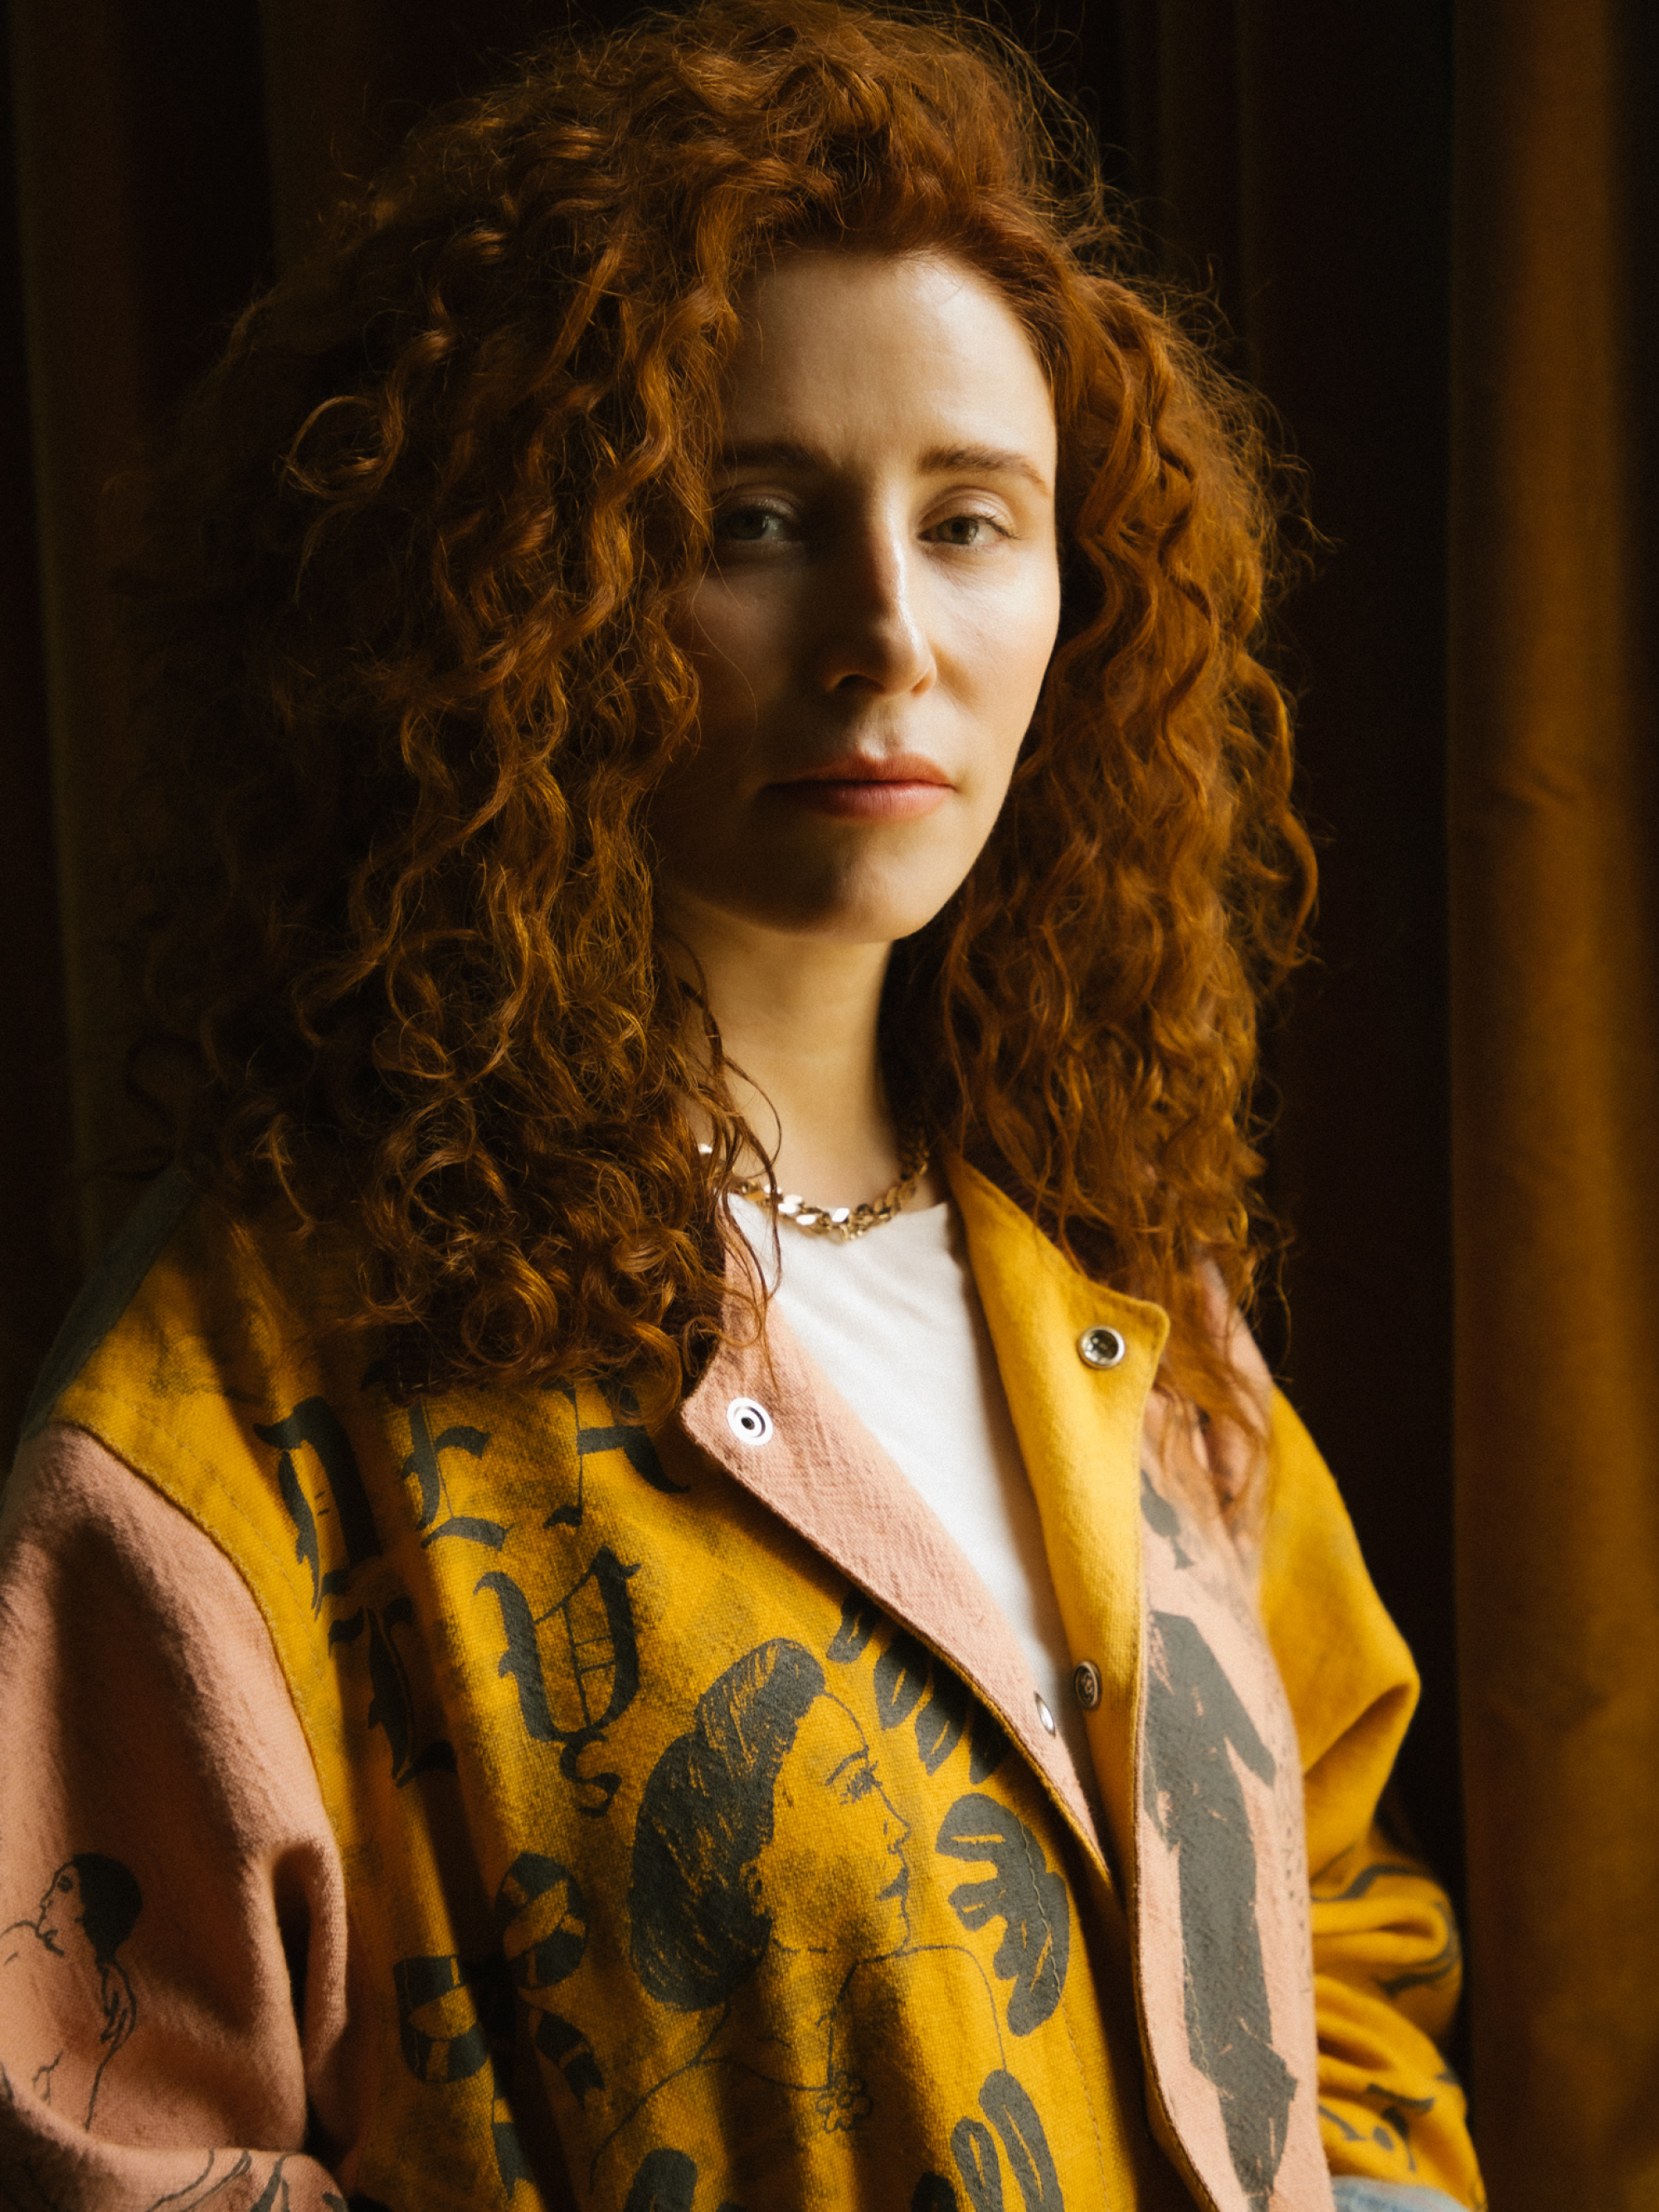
<point x="869" y="788"/>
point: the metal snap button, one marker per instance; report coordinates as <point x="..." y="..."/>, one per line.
<point x="1085" y="1684"/>
<point x="1043" y="1713"/>
<point x="749" y="1422"/>
<point x="1101" y="1347"/>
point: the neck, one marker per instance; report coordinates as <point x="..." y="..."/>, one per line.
<point x="781" y="2021"/>
<point x="797" y="1017"/>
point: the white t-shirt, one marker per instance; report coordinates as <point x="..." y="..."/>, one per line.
<point x="894" y="1320"/>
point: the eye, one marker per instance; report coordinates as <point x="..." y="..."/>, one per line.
<point x="751" y="522"/>
<point x="859" y="1781"/>
<point x="970" y="529"/>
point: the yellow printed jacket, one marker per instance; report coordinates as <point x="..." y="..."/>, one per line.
<point x="698" y="1840"/>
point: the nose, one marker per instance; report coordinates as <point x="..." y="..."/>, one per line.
<point x="874" y="632"/>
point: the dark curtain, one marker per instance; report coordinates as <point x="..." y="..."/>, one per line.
<point x="1555" y="949"/>
<point x="1310" y="168"/>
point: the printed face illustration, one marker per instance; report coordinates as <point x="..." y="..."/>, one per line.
<point x="62" y="1912"/>
<point x="763" y="1832"/>
<point x="872" y="634"/>
<point x="833" y="1877"/>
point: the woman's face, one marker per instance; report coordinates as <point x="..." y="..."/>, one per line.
<point x="832" y="1878"/>
<point x="871" y="632"/>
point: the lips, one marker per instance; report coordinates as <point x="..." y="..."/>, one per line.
<point x="869" y="787"/>
<point x="875" y="767"/>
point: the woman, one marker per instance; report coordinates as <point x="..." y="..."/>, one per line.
<point x="699" y="652"/>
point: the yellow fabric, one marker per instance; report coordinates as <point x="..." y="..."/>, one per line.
<point x="1388" y="1964"/>
<point x="1554" y="821"/>
<point x="488" y="1851"/>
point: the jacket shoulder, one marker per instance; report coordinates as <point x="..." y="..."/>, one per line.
<point x="194" y="1316"/>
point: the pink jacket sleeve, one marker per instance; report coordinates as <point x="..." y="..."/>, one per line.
<point x="175" y="1962"/>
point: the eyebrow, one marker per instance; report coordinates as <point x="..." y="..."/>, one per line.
<point x="939" y="460"/>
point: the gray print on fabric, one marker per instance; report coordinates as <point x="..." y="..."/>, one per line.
<point x="393" y="1701"/>
<point x="769" y="1882"/>
<point x="576" y="1667"/>
<point x="906" y="1673"/>
<point x="457" y="2017"/>
<point x="1024" y="1893"/>
<point x="314" y="1427"/>
<point x="629" y="1437"/>
<point x="63" y="1966"/>
<point x="1195" y="1723"/>
<point x="1161" y="1519"/>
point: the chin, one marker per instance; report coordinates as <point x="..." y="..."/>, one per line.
<point x="861" y="926"/>
<point x="866" y="907"/>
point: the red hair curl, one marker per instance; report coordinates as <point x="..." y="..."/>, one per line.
<point x="408" y="680"/>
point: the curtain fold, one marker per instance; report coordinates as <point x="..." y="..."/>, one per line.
<point x="37" y="1228"/>
<point x="90" y="363"/>
<point x="1555" y="948"/>
<point x="141" y="225"/>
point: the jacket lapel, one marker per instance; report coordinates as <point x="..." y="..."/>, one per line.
<point x="814" y="1464"/>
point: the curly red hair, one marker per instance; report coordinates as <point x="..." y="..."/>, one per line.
<point x="405" y="612"/>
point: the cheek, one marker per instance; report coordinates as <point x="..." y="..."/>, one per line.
<point x="797" y="1841"/>
<point x="737" y="639"/>
<point x="1021" y="637"/>
<point x="1006" y="649"/>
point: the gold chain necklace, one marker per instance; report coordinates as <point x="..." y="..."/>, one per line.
<point x="843" y="1222"/>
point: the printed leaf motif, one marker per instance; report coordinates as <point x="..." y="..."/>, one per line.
<point x="941" y="1723"/>
<point x="989" y="1746"/>
<point x="901" y="1677"/>
<point x="1025" y="1892"/>
<point x="905" y="1674"/>
<point x="974" y="2150"/>
<point x="666" y="2182"/>
<point x="1015" y="2118"/>
<point x="860" y="1616"/>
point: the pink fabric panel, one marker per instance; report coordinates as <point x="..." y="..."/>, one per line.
<point x="1221" y="1929"/>
<point x="168" y="1879"/>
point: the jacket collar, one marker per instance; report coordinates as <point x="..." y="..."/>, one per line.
<point x="819" y="1469"/>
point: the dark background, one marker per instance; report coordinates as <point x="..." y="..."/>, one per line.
<point x="1291" y="159"/>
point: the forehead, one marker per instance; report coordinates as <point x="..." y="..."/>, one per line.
<point x="827" y="1736"/>
<point x="838" y="343"/>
